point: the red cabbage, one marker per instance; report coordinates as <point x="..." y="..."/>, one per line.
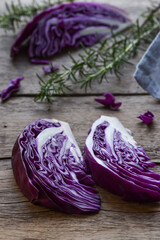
<point x="147" y="117"/>
<point x="50" y="170"/>
<point x="109" y="101"/>
<point x="50" y="68"/>
<point x="13" y="86"/>
<point x="69" y="24"/>
<point x="118" y="165"/>
<point x="39" y="61"/>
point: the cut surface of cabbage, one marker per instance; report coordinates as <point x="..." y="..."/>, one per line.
<point x="118" y="164"/>
<point x="50" y="169"/>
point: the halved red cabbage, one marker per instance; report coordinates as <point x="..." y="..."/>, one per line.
<point x="118" y="164"/>
<point x="50" y="170"/>
<point x="69" y="24"/>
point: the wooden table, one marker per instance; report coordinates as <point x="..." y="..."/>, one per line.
<point x="117" y="219"/>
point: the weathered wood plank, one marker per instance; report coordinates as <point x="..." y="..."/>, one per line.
<point x="19" y="219"/>
<point x="79" y="112"/>
<point x="21" y="67"/>
<point x="108" y="226"/>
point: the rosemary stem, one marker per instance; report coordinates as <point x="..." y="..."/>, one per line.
<point x="105" y="69"/>
<point x="130" y="46"/>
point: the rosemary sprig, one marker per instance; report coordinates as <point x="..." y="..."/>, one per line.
<point x="17" y="14"/>
<point x="49" y="89"/>
<point x="106" y="56"/>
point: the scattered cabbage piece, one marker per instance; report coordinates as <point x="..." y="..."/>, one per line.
<point x="147" y="117"/>
<point x="40" y="61"/>
<point x="109" y="101"/>
<point x="118" y="164"/>
<point x="50" y="170"/>
<point x="50" y="68"/>
<point x="70" y="24"/>
<point x="13" y="86"/>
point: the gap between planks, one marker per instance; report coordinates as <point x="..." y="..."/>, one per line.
<point x="82" y="95"/>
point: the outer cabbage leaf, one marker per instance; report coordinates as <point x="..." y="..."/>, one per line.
<point x="50" y="170"/>
<point x="69" y="24"/>
<point x="118" y="164"/>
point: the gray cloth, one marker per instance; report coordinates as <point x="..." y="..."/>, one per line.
<point x="147" y="71"/>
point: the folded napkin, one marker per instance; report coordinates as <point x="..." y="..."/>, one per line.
<point x="147" y="71"/>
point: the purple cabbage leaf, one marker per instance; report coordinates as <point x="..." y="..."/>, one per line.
<point x="147" y="117"/>
<point x="50" y="68"/>
<point x="13" y="86"/>
<point x="118" y="164"/>
<point x="50" y="170"/>
<point x="69" y="25"/>
<point x="109" y="101"/>
<point x="39" y="61"/>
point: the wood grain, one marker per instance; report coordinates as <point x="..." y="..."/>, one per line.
<point x="80" y="113"/>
